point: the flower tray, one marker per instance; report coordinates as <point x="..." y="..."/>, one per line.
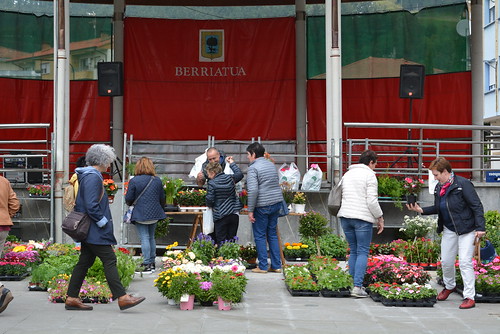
<point x="33" y="287"/>
<point x="491" y="298"/>
<point x="303" y="293"/>
<point x="297" y="259"/>
<point x="336" y="294"/>
<point x="408" y="303"/>
<point x="375" y="297"/>
<point x="430" y="268"/>
<point x="13" y="278"/>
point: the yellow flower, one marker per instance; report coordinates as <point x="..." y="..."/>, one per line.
<point x="289" y="247"/>
<point x="20" y="248"/>
<point x="304" y="246"/>
<point x="296" y="247"/>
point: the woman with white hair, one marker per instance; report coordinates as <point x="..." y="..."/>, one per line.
<point x="100" y="239"/>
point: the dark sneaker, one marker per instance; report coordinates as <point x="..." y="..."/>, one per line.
<point x="443" y="295"/>
<point x="143" y="269"/>
<point x="467" y="303"/>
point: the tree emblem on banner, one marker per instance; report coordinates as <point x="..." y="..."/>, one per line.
<point x="211" y="45"/>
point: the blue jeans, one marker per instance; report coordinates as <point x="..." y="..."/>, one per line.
<point x="264" y="229"/>
<point x="148" y="243"/>
<point x="358" y="234"/>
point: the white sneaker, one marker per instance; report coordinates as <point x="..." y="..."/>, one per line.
<point x="359" y="292"/>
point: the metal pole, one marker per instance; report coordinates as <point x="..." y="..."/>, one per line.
<point x="300" y="83"/>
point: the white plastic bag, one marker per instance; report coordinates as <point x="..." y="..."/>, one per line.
<point x="208" y="221"/>
<point x="290" y="174"/>
<point x="312" y="178"/>
<point x="198" y="165"/>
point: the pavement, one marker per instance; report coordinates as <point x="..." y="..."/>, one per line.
<point x="267" y="308"/>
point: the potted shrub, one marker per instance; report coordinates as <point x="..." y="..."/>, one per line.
<point x="313" y="225"/>
<point x="299" y="202"/>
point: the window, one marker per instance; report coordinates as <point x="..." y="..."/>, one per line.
<point x="491" y="11"/>
<point x="45" y="67"/>
<point x="490" y="75"/>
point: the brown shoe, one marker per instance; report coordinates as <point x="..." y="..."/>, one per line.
<point x="5" y="298"/>
<point x="467" y="303"/>
<point x="128" y="301"/>
<point x="271" y="270"/>
<point x="258" y="270"/>
<point x="76" y="304"/>
<point x="443" y="295"/>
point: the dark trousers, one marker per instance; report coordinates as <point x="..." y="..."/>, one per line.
<point x="88" y="253"/>
<point x="226" y="228"/>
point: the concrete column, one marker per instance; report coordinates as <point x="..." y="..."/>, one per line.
<point x="477" y="82"/>
<point x="117" y="102"/>
<point x="301" y="83"/>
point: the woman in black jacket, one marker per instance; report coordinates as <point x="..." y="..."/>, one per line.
<point x="461" y="219"/>
<point x="222" y="198"/>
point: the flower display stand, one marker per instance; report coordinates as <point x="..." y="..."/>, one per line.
<point x="303" y="293"/>
<point x="223" y="305"/>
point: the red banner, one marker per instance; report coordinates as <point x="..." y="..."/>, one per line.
<point x="188" y="79"/>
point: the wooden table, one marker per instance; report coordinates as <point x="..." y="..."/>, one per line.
<point x="197" y="222"/>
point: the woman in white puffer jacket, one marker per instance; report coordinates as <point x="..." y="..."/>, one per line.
<point x="359" y="211"/>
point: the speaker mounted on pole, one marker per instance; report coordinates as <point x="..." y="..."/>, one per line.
<point x="411" y="81"/>
<point x="110" y="78"/>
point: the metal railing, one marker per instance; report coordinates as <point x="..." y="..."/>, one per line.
<point x="411" y="156"/>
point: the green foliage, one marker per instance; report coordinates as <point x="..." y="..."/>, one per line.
<point x="229" y="250"/>
<point x="12" y="238"/>
<point x="171" y="187"/>
<point x="52" y="266"/>
<point x="391" y="187"/>
<point x="183" y="283"/>
<point x="298" y="277"/>
<point x="162" y="227"/>
<point x="313" y="225"/>
<point x="333" y="278"/>
<point x="492" y="218"/>
<point x="330" y="245"/>
<point x="204" y="248"/>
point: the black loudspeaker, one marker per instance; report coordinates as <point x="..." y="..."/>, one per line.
<point x="110" y="78"/>
<point x="411" y="82"/>
<point x="35" y="177"/>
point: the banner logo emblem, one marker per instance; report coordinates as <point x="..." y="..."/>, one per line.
<point x="211" y="46"/>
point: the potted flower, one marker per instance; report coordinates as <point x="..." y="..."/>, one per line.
<point x="171" y="187"/>
<point x="205" y="294"/>
<point x="243" y="195"/>
<point x="204" y="248"/>
<point x="296" y="251"/>
<point x="390" y="188"/>
<point x="412" y="188"/>
<point x="248" y="253"/>
<point x="229" y="249"/>
<point x="313" y="225"/>
<point x="183" y="287"/>
<point x="192" y="197"/>
<point x="228" y="287"/>
<point x="418" y="226"/>
<point x="111" y="189"/>
<point x="286" y="189"/>
<point x="299" y="202"/>
<point x="39" y="190"/>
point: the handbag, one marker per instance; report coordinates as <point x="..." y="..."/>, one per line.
<point x="76" y="225"/>
<point x="335" y="199"/>
<point x="127" y="217"/>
